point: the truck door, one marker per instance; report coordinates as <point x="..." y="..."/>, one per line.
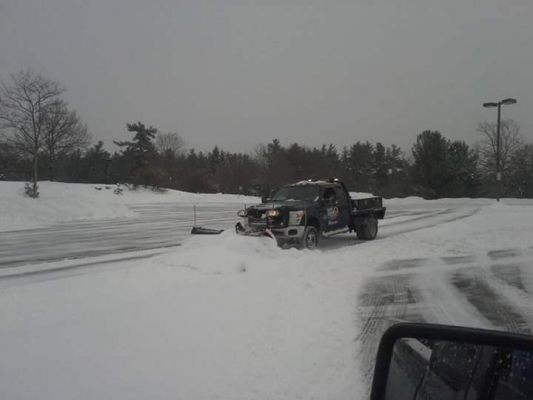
<point x="344" y="208"/>
<point x="332" y="217"/>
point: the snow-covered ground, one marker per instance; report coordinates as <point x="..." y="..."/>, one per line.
<point x="226" y="317"/>
<point x="62" y="202"/>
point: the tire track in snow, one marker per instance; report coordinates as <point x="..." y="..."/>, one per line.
<point x="387" y="230"/>
<point x="472" y="283"/>
<point x="439" y="301"/>
<point x="511" y="269"/>
<point x="384" y="303"/>
<point x="510" y="274"/>
<point x="506" y="253"/>
<point x="397" y="265"/>
<point x="412" y="225"/>
<point x="455" y="290"/>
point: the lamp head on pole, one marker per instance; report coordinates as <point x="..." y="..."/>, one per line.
<point x="490" y="105"/>
<point x="508" y="101"/>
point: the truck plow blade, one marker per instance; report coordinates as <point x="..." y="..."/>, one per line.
<point x="239" y="229"/>
<point x="198" y="230"/>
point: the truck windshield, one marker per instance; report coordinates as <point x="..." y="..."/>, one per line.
<point x="297" y="193"/>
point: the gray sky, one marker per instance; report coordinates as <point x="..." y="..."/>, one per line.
<point x="237" y="73"/>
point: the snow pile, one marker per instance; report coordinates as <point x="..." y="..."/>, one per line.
<point x="281" y="321"/>
<point x="62" y="202"/>
<point x="146" y="195"/>
<point x="57" y="202"/>
<point x="224" y="317"/>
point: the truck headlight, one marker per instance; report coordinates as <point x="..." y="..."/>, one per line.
<point x="273" y="213"/>
<point x="242" y="213"/>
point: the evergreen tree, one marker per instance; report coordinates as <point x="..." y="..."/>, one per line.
<point x="360" y="161"/>
<point x="381" y="166"/>
<point x="138" y="152"/>
<point x="430" y="153"/>
<point x="462" y="176"/>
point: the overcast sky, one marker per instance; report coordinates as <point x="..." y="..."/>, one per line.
<point x="237" y="73"/>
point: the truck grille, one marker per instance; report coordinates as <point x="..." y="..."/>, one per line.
<point x="257" y="219"/>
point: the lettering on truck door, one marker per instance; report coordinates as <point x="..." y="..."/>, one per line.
<point x="343" y="205"/>
<point x="332" y="209"/>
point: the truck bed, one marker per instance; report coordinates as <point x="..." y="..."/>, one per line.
<point x="365" y="206"/>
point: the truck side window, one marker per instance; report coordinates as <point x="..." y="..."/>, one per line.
<point x="329" y="196"/>
<point x="341" y="195"/>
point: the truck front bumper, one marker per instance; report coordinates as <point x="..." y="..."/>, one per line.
<point x="283" y="235"/>
<point x="290" y="233"/>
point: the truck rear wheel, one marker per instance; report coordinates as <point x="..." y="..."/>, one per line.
<point x="368" y="230"/>
<point x="310" y="238"/>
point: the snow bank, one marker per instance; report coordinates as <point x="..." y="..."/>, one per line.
<point x="57" y="202"/>
<point x="143" y="195"/>
<point x="223" y="317"/>
<point x="63" y="202"/>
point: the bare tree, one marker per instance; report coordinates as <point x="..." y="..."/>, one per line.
<point x="521" y="167"/>
<point x="510" y="141"/>
<point x="24" y="104"/>
<point x="64" y="132"/>
<point x="169" y="144"/>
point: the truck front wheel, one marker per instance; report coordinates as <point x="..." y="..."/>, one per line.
<point x="310" y="238"/>
<point x="368" y="230"/>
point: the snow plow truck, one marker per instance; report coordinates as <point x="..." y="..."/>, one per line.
<point x="303" y="213"/>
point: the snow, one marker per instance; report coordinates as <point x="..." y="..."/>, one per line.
<point x="360" y="195"/>
<point x="309" y="182"/>
<point x="57" y="202"/>
<point x="62" y="202"/>
<point x="227" y="317"/>
<point x="142" y="195"/>
<point x="498" y="225"/>
<point x="223" y="317"/>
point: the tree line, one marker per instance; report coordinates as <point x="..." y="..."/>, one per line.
<point x="43" y="138"/>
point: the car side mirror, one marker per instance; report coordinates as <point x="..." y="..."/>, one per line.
<point x="421" y="361"/>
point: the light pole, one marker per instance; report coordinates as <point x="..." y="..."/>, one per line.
<point x="498" y="172"/>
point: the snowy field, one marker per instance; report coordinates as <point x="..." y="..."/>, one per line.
<point x="120" y="311"/>
<point x="66" y="202"/>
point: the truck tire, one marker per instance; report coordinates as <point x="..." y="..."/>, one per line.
<point x="309" y="238"/>
<point x="359" y="232"/>
<point x="369" y="230"/>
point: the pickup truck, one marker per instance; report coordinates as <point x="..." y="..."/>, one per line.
<point x="303" y="213"/>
